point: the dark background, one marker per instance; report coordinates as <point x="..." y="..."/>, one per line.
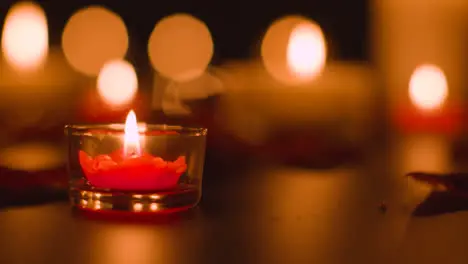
<point x="236" y="26"/>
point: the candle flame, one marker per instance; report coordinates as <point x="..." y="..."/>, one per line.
<point x="131" y="136"/>
<point x="294" y="50"/>
<point x="306" y="51"/>
<point x="428" y="87"/>
<point x="93" y="36"/>
<point x="25" y="36"/>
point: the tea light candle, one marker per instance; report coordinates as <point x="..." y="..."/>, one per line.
<point x="135" y="167"/>
<point x="130" y="168"/>
<point x="294" y="86"/>
<point x="113" y="94"/>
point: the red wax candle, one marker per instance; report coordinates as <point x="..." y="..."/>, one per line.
<point x="136" y="172"/>
<point x="129" y="169"/>
<point x="93" y="109"/>
<point x="429" y="110"/>
<point x="446" y="120"/>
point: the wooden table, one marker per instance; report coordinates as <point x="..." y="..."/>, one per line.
<point x="264" y="214"/>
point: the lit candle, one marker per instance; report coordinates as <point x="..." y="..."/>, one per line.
<point x="131" y="136"/>
<point x="410" y="33"/>
<point x="115" y="93"/>
<point x="95" y="42"/>
<point x="131" y="168"/>
<point x="28" y="67"/>
<point x="428" y="110"/>
<point x="180" y="49"/>
<point x="294" y="86"/>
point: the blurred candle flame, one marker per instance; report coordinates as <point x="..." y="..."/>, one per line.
<point x="180" y="47"/>
<point x="306" y="51"/>
<point x="294" y="50"/>
<point x="93" y="36"/>
<point x="131" y="136"/>
<point x="428" y="87"/>
<point x="117" y="83"/>
<point x="25" y="36"/>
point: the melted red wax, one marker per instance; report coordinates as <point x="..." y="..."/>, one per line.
<point x="143" y="172"/>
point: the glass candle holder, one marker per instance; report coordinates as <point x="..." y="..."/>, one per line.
<point x="161" y="173"/>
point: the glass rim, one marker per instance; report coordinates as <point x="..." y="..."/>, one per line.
<point x="116" y="128"/>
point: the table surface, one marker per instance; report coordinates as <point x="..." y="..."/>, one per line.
<point x="262" y="215"/>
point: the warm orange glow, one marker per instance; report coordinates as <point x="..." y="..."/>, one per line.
<point x="31" y="156"/>
<point x="154" y="207"/>
<point x="294" y="50"/>
<point x="306" y="51"/>
<point x="131" y="136"/>
<point x="93" y="36"/>
<point x="137" y="207"/>
<point x="180" y="47"/>
<point x="428" y="87"/>
<point x="25" y="36"/>
<point x="117" y="83"/>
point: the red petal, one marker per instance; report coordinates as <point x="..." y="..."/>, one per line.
<point x="159" y="163"/>
<point x="117" y="155"/>
<point x="106" y="165"/>
<point x="86" y="161"/>
<point x="177" y="165"/>
<point x="98" y="159"/>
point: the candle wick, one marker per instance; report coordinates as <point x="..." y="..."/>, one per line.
<point x="132" y="153"/>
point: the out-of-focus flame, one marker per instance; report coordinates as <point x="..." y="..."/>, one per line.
<point x="180" y="47"/>
<point x="428" y="87"/>
<point x="306" y="52"/>
<point x="131" y="136"/>
<point x="25" y="39"/>
<point x="31" y="156"/>
<point x="117" y="83"/>
<point x="93" y="36"/>
<point x="294" y="50"/>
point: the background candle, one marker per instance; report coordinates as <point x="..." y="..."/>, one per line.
<point x="37" y="89"/>
<point x="408" y="34"/>
<point x="180" y="49"/>
<point x="95" y="42"/>
<point x="256" y="103"/>
<point x="28" y="68"/>
<point x="429" y="110"/>
<point x="293" y="86"/>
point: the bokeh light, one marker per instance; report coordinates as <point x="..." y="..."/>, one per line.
<point x="428" y="87"/>
<point x="32" y="156"/>
<point x="25" y="39"/>
<point x="93" y="36"/>
<point x="306" y="50"/>
<point x="117" y="83"/>
<point x="180" y="47"/>
<point x="294" y="50"/>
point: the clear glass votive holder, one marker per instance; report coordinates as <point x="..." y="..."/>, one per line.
<point x="162" y="174"/>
